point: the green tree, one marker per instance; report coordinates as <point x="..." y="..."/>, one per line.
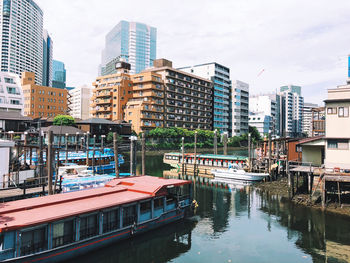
<point x="64" y="120"/>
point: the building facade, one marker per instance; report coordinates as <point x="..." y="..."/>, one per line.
<point x="220" y="76"/>
<point x="239" y="113"/>
<point x="290" y="105"/>
<point x="261" y="122"/>
<point x="21" y="28"/>
<point x="132" y="42"/>
<point x="11" y="94"/>
<point x="338" y="128"/>
<point x="58" y="74"/>
<point x="80" y="102"/>
<point x="307" y="118"/>
<point x="111" y="93"/>
<point x="42" y="101"/>
<point x="47" y="59"/>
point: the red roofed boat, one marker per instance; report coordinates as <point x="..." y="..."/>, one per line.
<point x="57" y="227"/>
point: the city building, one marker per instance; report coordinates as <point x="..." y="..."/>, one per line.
<point x="14" y="121"/>
<point x="22" y="38"/>
<point x="111" y="93"/>
<point x="80" y="102"/>
<point x="239" y="113"/>
<point x="220" y="76"/>
<point x="11" y="94"/>
<point x="307" y="118"/>
<point x="187" y="99"/>
<point x="290" y="111"/>
<point x="47" y="59"/>
<point x="265" y="106"/>
<point x="42" y="101"/>
<point x="261" y="122"/>
<point x="145" y="110"/>
<point x="133" y="42"/>
<point x="58" y="74"/>
<point x="97" y="126"/>
<point x="318" y="121"/>
<point x="338" y="128"/>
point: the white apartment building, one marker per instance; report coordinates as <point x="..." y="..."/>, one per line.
<point x="239" y="108"/>
<point x="80" y="102"/>
<point x="21" y="28"/>
<point x="261" y="122"/>
<point x="11" y="94"/>
<point x="307" y="118"/>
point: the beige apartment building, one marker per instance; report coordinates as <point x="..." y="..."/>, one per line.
<point x="337" y="106"/>
<point x="42" y="101"/>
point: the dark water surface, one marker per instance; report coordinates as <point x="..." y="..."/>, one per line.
<point x="236" y="225"/>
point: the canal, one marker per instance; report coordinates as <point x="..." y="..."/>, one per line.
<point x="236" y="225"/>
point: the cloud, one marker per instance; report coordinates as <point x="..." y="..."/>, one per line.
<point x="299" y="42"/>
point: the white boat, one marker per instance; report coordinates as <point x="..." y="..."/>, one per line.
<point x="238" y="174"/>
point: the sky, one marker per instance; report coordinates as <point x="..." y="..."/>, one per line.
<point x="298" y="42"/>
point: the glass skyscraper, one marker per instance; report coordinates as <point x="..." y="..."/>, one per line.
<point x="47" y="59"/>
<point x="58" y="74"/>
<point x="135" y="43"/>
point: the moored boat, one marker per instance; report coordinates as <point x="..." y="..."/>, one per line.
<point x="58" y="227"/>
<point x="238" y="174"/>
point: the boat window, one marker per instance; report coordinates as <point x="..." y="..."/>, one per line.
<point x="129" y="215"/>
<point x="145" y="207"/>
<point x="88" y="226"/>
<point x="33" y="241"/>
<point x="159" y="203"/>
<point x="63" y="233"/>
<point x="1" y="241"/>
<point x="110" y="220"/>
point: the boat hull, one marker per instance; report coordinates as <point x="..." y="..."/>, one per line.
<point x="75" y="249"/>
<point x="249" y="177"/>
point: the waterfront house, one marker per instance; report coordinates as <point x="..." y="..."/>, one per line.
<point x="313" y="150"/>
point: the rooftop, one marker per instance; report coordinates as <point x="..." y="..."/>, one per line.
<point x="62" y="130"/>
<point x="13" y="115"/>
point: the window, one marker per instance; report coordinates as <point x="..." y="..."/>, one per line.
<point x="343" y="112"/>
<point x="63" y="233"/>
<point x="129" y="215"/>
<point x="159" y="203"/>
<point x="110" y="220"/>
<point x="338" y="144"/>
<point x="145" y="207"/>
<point x="331" y="110"/>
<point x="33" y="241"/>
<point x="88" y="226"/>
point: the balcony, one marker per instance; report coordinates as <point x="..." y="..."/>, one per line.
<point x="103" y="94"/>
<point x="106" y="101"/>
<point x="104" y="109"/>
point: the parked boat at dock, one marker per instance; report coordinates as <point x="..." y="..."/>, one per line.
<point x="235" y="172"/>
<point x="57" y="227"/>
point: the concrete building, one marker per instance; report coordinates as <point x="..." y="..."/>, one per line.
<point x="11" y="94"/>
<point x="307" y="118"/>
<point x="290" y="111"/>
<point x="146" y="110"/>
<point x="111" y="93"/>
<point x="338" y="128"/>
<point x="220" y="76"/>
<point x="239" y="108"/>
<point x="134" y="42"/>
<point x="21" y="43"/>
<point x="42" y="101"/>
<point x="80" y="102"/>
<point x="58" y="74"/>
<point x="188" y="98"/>
<point x="318" y="121"/>
<point x="47" y="59"/>
<point x="261" y="122"/>
<point x="265" y="106"/>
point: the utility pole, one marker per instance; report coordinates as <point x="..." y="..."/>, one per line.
<point x="49" y="161"/>
<point x="116" y="160"/>
<point x="215" y="143"/>
<point x="143" y="154"/>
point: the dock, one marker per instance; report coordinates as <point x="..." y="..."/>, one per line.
<point x="12" y="194"/>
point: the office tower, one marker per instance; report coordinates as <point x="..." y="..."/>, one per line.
<point x="47" y="59"/>
<point x="239" y="113"/>
<point x="58" y="74"/>
<point x="22" y="38"/>
<point x="11" y="95"/>
<point x="290" y="106"/>
<point x="220" y="76"/>
<point x="132" y="42"/>
<point x="42" y="101"/>
<point x="307" y="117"/>
<point x="80" y="102"/>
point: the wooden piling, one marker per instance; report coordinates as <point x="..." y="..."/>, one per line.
<point x="143" y="153"/>
<point x="215" y="143"/>
<point x="225" y="143"/>
<point x="183" y="156"/>
<point x="249" y="152"/>
<point x="87" y="149"/>
<point x="132" y="156"/>
<point x="93" y="154"/>
<point x="116" y="159"/>
<point x="49" y="161"/>
<point x="66" y="143"/>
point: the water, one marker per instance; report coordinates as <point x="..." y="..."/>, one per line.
<point x="237" y="225"/>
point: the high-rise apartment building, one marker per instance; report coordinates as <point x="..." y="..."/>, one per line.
<point x="21" y="26"/>
<point x="80" y="102"/>
<point x="11" y="95"/>
<point x="290" y="107"/>
<point x="47" y="59"/>
<point x="307" y="118"/>
<point x="111" y="93"/>
<point x="132" y="42"/>
<point x="261" y="122"/>
<point x="58" y="74"/>
<point x="220" y="76"/>
<point x="239" y="113"/>
<point x="42" y="101"/>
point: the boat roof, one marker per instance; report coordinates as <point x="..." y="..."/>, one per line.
<point x="211" y="156"/>
<point x="34" y="211"/>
